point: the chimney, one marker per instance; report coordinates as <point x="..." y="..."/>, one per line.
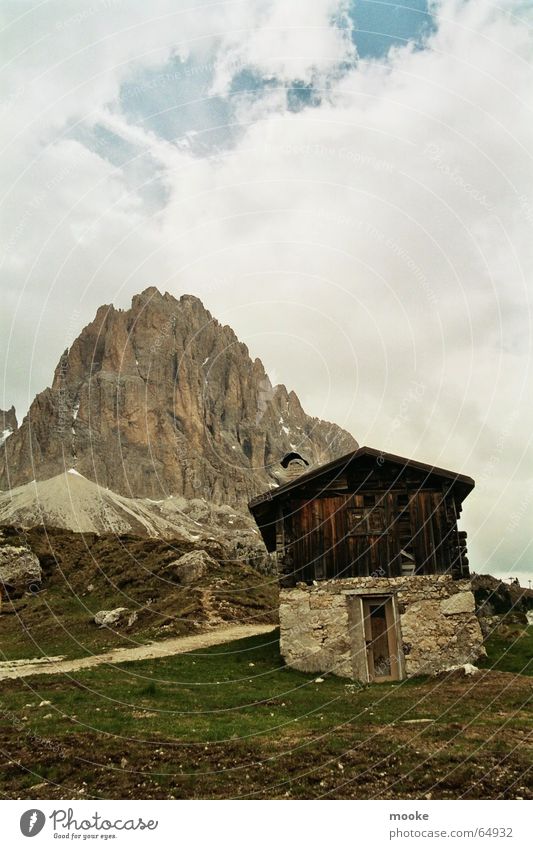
<point x="293" y="466"/>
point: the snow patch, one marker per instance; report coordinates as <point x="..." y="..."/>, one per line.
<point x="74" y="472"/>
<point x="75" y="411"/>
<point x="5" y="435"/>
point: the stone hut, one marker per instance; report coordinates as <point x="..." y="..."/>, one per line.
<point x="375" y="584"/>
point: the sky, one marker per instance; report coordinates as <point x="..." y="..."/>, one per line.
<point x="349" y="185"/>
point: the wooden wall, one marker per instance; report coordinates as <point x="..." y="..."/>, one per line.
<point x="356" y="534"/>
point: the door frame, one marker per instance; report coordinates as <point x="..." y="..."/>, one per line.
<point x="358" y="602"/>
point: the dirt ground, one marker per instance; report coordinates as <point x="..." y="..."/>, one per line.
<point x="469" y="740"/>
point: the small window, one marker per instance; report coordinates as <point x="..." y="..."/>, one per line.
<point x="408" y="562"/>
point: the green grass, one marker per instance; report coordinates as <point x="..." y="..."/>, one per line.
<point x="57" y="623"/>
<point x="234" y="721"/>
<point x="510" y="651"/>
<point x="241" y="689"/>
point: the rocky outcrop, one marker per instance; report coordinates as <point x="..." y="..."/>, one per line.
<point x="162" y="400"/>
<point x="8" y="424"/>
<point x="192" y="567"/>
<point x="498" y="602"/>
<point x="497" y="598"/>
<point x="20" y="569"/>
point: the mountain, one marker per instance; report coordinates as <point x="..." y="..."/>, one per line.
<point x="161" y="400"/>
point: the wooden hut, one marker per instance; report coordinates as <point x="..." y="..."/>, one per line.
<point x="363" y="539"/>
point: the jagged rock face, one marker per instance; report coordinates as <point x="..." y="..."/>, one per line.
<point x="8" y="424"/>
<point x="162" y="400"/>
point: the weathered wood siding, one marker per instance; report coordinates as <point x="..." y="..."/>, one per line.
<point x="357" y="534"/>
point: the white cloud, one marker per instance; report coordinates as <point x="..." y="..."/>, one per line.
<point x="378" y="242"/>
<point x="288" y="42"/>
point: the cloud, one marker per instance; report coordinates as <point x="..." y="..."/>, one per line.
<point x="373" y="247"/>
<point x="287" y="42"/>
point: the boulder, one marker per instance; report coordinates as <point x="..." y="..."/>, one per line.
<point x="19" y="567"/>
<point x="108" y="618"/>
<point x="193" y="566"/>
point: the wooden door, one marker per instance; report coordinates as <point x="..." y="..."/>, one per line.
<point x="381" y="639"/>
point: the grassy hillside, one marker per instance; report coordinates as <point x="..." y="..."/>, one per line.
<point x="234" y="722"/>
<point x="85" y="573"/>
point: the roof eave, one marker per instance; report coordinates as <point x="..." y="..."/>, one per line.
<point x="457" y="479"/>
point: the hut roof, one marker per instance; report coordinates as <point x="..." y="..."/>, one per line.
<point x="263" y="506"/>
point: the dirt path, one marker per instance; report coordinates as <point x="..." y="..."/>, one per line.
<point x="165" y="648"/>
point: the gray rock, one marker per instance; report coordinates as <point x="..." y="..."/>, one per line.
<point x="108" y="618"/>
<point x="458" y="603"/>
<point x="468" y="668"/>
<point x="193" y="566"/>
<point x="19" y="567"/>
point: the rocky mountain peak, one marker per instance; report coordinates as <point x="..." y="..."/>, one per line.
<point x="8" y="419"/>
<point x="8" y="424"/>
<point x="163" y="400"/>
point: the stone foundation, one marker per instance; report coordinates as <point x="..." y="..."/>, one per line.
<point x="435" y="624"/>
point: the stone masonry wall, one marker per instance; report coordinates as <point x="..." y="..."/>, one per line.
<point x="437" y="620"/>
